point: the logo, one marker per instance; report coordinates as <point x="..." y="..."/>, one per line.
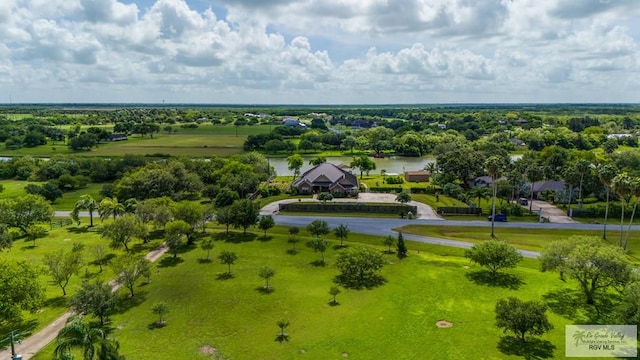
<point x="601" y="341"/>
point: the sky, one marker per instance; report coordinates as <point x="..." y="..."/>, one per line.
<point x="319" y="51"/>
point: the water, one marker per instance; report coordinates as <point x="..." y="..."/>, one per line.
<point x="391" y="164"/>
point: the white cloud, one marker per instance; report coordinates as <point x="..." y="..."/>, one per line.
<point x="312" y="51"/>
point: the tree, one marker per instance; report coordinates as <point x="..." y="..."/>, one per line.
<point x="122" y="230"/>
<point x="364" y="164"/>
<point x="522" y="317"/>
<point x="228" y="258"/>
<point x="20" y="290"/>
<point x="6" y="240"/>
<point x="341" y="232"/>
<point x="25" y="211"/>
<point x="494" y="166"/>
<point x="401" y="246"/>
<point x="403" y="197"/>
<point x="226" y="197"/>
<point x="334" y="291"/>
<point x="594" y="264"/>
<point x="35" y="232"/>
<point x="244" y="213"/>
<point x="555" y="255"/>
<point x="62" y="266"/>
<point x="282" y="324"/>
<point x="318" y="228"/>
<point x="628" y="311"/>
<point x="494" y="255"/>
<point x="110" y="207"/>
<point x="207" y="245"/>
<point x="129" y="269"/>
<point x="295" y="163"/>
<point x="94" y="298"/>
<point x="318" y="160"/>
<point x="88" y="203"/>
<point x="267" y="273"/>
<point x="191" y="213"/>
<point x="266" y="222"/>
<point x="224" y="217"/>
<point x="389" y="241"/>
<point x="606" y="173"/>
<point x="176" y="230"/>
<point x="78" y="333"/>
<point x="533" y="174"/>
<point x="161" y="309"/>
<point x="320" y="245"/>
<point x="99" y="255"/>
<point x="324" y="197"/>
<point x="49" y="191"/>
<point x="349" y="142"/>
<point x="623" y="186"/>
<point x="359" y="267"/>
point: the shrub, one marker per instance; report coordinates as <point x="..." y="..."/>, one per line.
<point x="394" y="180"/>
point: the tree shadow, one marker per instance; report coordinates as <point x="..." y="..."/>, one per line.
<point x="105" y="261"/>
<point x="503" y="280"/>
<point x="224" y="276"/>
<point x="157" y="325"/>
<point x="338" y="246"/>
<point x="532" y="349"/>
<point x="234" y="237"/>
<point x="334" y="303"/>
<point x="81" y="230"/>
<point x="282" y="338"/>
<point x="265" y="238"/>
<point x="572" y="304"/>
<point x="125" y="302"/>
<point x="57" y="302"/>
<point x="292" y="252"/>
<point x="205" y="261"/>
<point x="264" y="290"/>
<point x="369" y="282"/>
<point x="28" y="247"/>
<point x="169" y="261"/>
<point x="318" y="263"/>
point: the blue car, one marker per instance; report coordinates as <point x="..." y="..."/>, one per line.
<point x="499" y="217"/>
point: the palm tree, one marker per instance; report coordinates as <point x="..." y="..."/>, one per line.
<point x="341" y="232"/>
<point x="606" y="173"/>
<point x="86" y="202"/>
<point x="110" y="206"/>
<point x="622" y="186"/>
<point x="480" y="192"/>
<point x="533" y="174"/>
<point x="581" y="168"/>
<point x="635" y="191"/>
<point x="494" y="167"/>
<point x="78" y="334"/>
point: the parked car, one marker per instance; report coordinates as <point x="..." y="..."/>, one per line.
<point x="499" y="217"/>
<point x="523" y="201"/>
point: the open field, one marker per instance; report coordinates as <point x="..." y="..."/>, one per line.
<point x="66" y="202"/>
<point x="236" y="318"/>
<point x="529" y="239"/>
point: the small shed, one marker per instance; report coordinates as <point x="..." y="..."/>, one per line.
<point x="417" y="176"/>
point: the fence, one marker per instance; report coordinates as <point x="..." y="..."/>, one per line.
<point x="459" y="211"/>
<point x="349" y="207"/>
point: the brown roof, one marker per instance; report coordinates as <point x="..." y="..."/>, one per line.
<point x="418" y="172"/>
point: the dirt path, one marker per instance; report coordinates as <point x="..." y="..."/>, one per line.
<point x="36" y="342"/>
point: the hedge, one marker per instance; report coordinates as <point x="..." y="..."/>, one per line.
<point x="349" y="207"/>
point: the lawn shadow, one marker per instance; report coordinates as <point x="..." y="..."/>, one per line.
<point x="28" y="247"/>
<point x="234" y="237"/>
<point x="205" y="261"/>
<point x="157" y="325"/>
<point x="292" y="252"/>
<point x="169" y="261"/>
<point x="224" y="276"/>
<point x="503" y="280"/>
<point x="369" y="282"/>
<point x="571" y="303"/>
<point x="282" y="338"/>
<point x="264" y="290"/>
<point x="81" y="230"/>
<point x="532" y="349"/>
<point x="338" y="246"/>
<point x="333" y="303"/>
<point x="318" y="263"/>
<point x="125" y="302"/>
<point x="105" y="261"/>
<point x="57" y="302"/>
<point x="265" y="238"/>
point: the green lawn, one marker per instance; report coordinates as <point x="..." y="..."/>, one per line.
<point x="528" y="239"/>
<point x="394" y="321"/>
<point x="66" y="202"/>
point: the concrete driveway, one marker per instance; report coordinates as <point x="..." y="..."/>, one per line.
<point x="424" y="211"/>
<point x="551" y="212"/>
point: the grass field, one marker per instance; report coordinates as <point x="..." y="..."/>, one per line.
<point x="66" y="202"/>
<point x="393" y="321"/>
<point x="529" y="239"/>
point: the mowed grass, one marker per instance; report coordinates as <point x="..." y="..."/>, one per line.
<point x="14" y="188"/>
<point x="204" y="141"/>
<point x="56" y="240"/>
<point x="394" y="321"/>
<point x="528" y="239"/>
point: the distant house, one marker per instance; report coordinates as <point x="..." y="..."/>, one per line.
<point x="118" y="137"/>
<point x="293" y="122"/>
<point x="483" y="181"/>
<point x="417" y="176"/>
<point x="549" y="185"/>
<point x="517" y="142"/>
<point x="327" y="177"/>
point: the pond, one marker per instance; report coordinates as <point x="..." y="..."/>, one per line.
<point x="393" y="164"/>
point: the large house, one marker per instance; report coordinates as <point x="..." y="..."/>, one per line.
<point x="327" y="177"/>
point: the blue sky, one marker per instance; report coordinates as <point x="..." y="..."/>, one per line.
<point x="319" y="51"/>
